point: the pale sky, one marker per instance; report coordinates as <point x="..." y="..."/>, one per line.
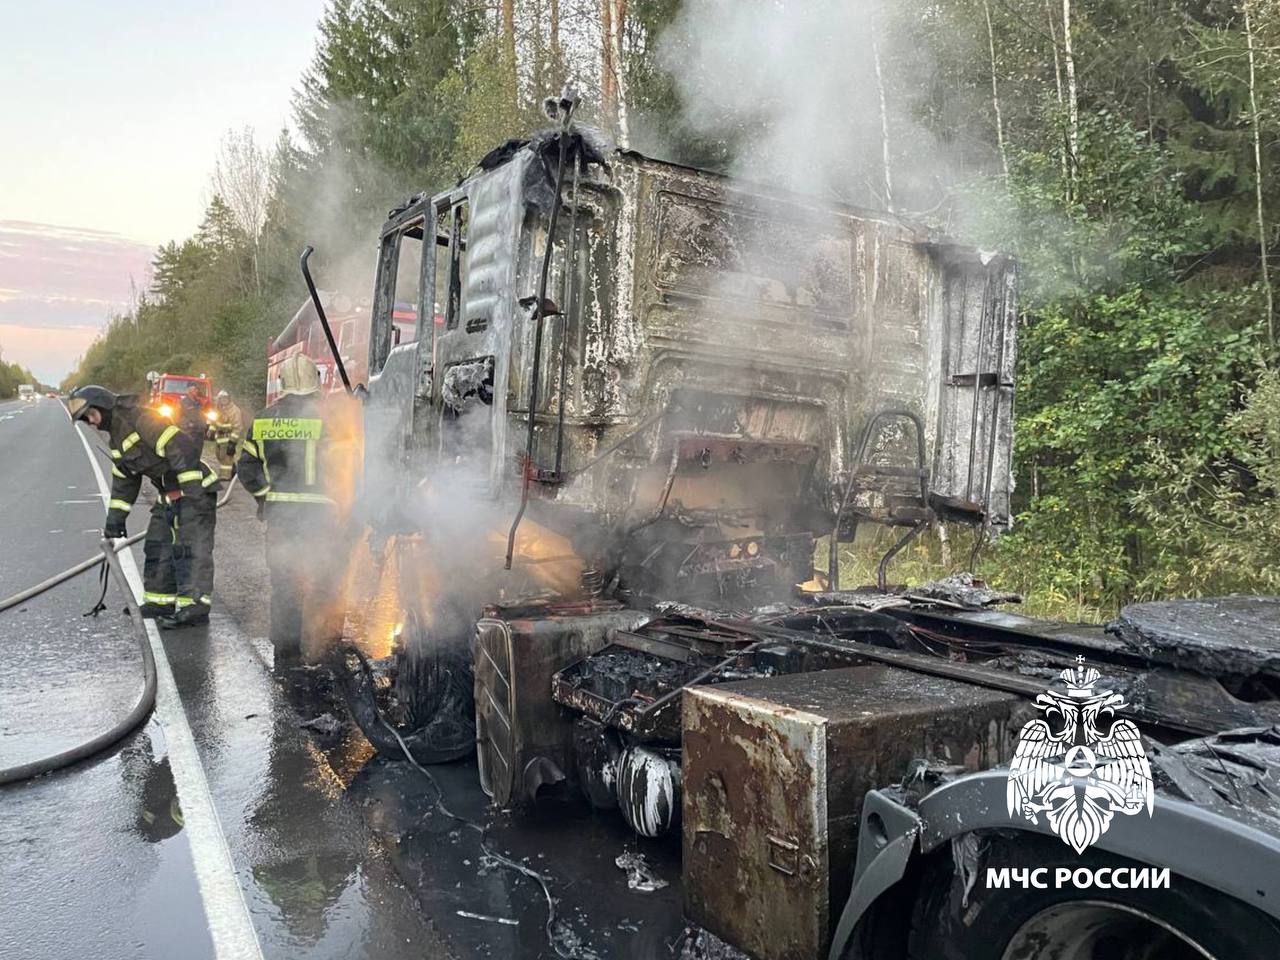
<point x="111" y="112"/>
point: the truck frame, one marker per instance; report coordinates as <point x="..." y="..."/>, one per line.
<point x="653" y="391"/>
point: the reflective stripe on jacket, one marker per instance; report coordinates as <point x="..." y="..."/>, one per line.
<point x="145" y="444"/>
<point x="282" y="458"/>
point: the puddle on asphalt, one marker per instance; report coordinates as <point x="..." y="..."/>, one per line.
<point x="148" y="782"/>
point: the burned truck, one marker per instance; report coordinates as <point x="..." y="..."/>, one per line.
<point x="638" y="397"/>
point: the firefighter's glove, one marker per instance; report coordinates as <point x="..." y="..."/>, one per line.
<point x="114" y="529"/>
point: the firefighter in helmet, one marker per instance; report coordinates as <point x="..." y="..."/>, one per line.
<point x="191" y="417"/>
<point x="144" y="444"/>
<point x="228" y="431"/>
<point x="291" y="462"/>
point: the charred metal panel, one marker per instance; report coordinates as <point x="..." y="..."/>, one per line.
<point x="388" y="416"/>
<point x="720" y="250"/>
<point x="582" y="283"/>
<point x="384" y="295"/>
<point x="481" y="324"/>
<point x="635" y="683"/>
<point x="898" y="347"/>
<point x="1199" y="692"/>
<point x="775" y="771"/>
<point x="1230" y="637"/>
<point x="388" y="420"/>
<point x="974" y="458"/>
<point x="755" y="823"/>
<point x="519" y="728"/>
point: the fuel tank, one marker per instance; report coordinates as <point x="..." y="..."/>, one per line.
<point x="774" y="775"/>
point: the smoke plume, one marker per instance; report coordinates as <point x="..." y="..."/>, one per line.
<point x="801" y="93"/>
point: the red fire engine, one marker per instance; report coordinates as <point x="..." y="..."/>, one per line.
<point x="168" y="389"/>
<point x="350" y="324"/>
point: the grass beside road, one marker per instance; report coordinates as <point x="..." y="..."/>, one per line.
<point x="925" y="559"/>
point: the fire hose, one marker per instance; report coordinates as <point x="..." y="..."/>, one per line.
<point x="85" y="565"/>
<point x="146" y="700"/>
<point x="141" y="709"/>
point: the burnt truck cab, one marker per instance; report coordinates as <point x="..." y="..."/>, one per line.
<point x="722" y="366"/>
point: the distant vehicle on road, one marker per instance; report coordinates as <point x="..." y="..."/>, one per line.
<point x="27" y="393"/>
<point x="52" y="395"/>
<point x="350" y="324"/>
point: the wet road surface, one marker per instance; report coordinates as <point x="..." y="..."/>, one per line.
<point x="92" y="861"/>
<point x="336" y="852"/>
<point x="99" y="860"/>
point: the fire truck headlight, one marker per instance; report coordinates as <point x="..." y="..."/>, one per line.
<point x="165" y="410"/>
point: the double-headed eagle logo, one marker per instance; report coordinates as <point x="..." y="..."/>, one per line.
<point x="1075" y="767"/>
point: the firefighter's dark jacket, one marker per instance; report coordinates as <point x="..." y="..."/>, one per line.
<point x="280" y="460"/>
<point x="145" y="444"/>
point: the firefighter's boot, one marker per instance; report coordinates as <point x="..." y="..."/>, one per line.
<point x="159" y="579"/>
<point x="194" y="613"/>
<point x="153" y="610"/>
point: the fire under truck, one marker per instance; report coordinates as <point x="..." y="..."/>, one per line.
<point x="654" y="391"/>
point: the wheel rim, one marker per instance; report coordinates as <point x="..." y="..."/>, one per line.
<point x="1097" y="930"/>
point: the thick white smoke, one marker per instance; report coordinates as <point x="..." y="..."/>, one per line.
<point x="802" y="91"/>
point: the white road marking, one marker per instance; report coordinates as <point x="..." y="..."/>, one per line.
<point x="227" y="914"/>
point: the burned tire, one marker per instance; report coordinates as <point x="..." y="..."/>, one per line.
<point x="434" y="683"/>
<point x="433" y="677"/>
<point x="444" y="739"/>
<point x="435" y="689"/>
<point x="1187" y="921"/>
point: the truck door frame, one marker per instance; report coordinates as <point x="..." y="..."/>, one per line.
<point x="388" y="271"/>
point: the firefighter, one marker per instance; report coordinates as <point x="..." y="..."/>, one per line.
<point x="228" y="431"/>
<point x="289" y="463"/>
<point x="191" y="416"/>
<point x="144" y="444"/>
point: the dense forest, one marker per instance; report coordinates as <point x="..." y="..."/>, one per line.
<point x="1126" y="150"/>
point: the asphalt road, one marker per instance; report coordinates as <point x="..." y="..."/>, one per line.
<point x="93" y="859"/>
<point x="224" y="829"/>
<point x="249" y="851"/>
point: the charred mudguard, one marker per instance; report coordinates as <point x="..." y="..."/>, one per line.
<point x="1208" y="846"/>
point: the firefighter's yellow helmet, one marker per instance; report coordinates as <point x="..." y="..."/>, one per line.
<point x="299" y="375"/>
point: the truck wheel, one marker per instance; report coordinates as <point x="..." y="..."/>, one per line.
<point x="434" y="682"/>
<point x="433" y="667"/>
<point x="1187" y="921"/>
